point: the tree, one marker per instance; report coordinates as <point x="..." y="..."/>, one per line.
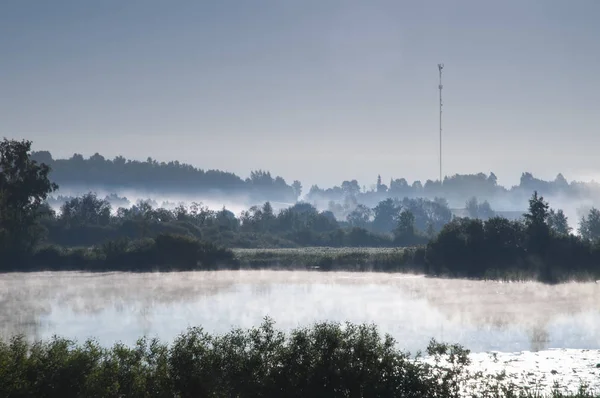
<point x="485" y="211"/>
<point x="558" y="222"/>
<point x="538" y="212"/>
<point x="430" y="231"/>
<point x="399" y="187"/>
<point x="180" y="213"/>
<point x="297" y="187"/>
<point x="472" y="207"/>
<point x="252" y="219"/>
<point x="381" y="188"/>
<point x="268" y="217"/>
<point x="360" y="216"/>
<point x="405" y="231"/>
<point x="24" y="186"/>
<point x="86" y="210"/>
<point x="482" y="210"/>
<point x="536" y="224"/>
<point x="589" y="227"/>
<point x="227" y="220"/>
<point x="417" y="186"/>
<point x="386" y="213"/>
<point x="350" y="188"/>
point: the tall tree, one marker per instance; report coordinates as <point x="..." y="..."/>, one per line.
<point x="538" y="212"/>
<point x="24" y="186"/>
<point x="536" y="223"/>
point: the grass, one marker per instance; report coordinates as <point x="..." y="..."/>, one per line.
<point x="332" y="259"/>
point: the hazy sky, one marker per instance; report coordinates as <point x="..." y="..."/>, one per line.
<point x="319" y="91"/>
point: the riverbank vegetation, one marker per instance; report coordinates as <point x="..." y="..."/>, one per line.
<point x="540" y="245"/>
<point x="334" y="259"/>
<point x="162" y="253"/>
<point x="323" y="360"/>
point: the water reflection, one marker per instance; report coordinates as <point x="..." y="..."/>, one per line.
<point x="123" y="306"/>
<point x="539" y="338"/>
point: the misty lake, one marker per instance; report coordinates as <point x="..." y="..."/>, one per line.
<point x="534" y="326"/>
<point x="482" y="316"/>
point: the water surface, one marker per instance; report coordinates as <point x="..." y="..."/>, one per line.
<point x="483" y="316"/>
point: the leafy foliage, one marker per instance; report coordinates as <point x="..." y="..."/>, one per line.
<point x="24" y="185"/>
<point x="165" y="252"/>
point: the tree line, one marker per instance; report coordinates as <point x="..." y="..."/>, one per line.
<point x="153" y="176"/>
<point x="174" y="177"/>
<point x="541" y="243"/>
<point x="456" y="189"/>
<point x="88" y="220"/>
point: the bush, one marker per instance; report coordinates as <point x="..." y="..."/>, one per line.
<point x="48" y="256"/>
<point x="324" y="360"/>
<point x="327" y="359"/>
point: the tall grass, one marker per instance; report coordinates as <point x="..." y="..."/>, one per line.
<point x="334" y="259"/>
<point x="165" y="252"/>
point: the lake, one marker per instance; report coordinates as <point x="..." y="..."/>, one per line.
<point x="481" y="315"/>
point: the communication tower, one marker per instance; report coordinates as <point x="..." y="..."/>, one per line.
<point x="440" y="67"/>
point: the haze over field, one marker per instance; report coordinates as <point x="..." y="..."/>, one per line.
<point x="315" y="91"/>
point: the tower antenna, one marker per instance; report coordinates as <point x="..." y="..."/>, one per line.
<point x="440" y="67"/>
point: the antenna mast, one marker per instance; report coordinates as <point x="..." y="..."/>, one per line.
<point x="440" y="67"/>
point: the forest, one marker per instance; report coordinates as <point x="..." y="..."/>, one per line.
<point x="97" y="172"/>
<point x="174" y="177"/>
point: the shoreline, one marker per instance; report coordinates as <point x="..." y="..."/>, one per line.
<point x="316" y="259"/>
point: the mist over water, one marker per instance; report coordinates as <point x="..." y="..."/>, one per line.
<point x="481" y="315"/>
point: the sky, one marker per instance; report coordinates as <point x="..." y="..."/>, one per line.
<point x="316" y="90"/>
